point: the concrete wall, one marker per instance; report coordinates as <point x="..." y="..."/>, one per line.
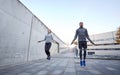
<point x="19" y="32"/>
<point x="104" y="41"/>
<point x="104" y="38"/>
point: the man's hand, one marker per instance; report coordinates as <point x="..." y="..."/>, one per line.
<point x="94" y="44"/>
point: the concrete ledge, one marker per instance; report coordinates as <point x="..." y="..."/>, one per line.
<point x="103" y="57"/>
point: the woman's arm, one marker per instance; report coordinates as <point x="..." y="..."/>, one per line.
<point x="42" y="40"/>
<point x="55" y="42"/>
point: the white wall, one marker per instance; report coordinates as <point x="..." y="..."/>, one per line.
<point x="107" y="38"/>
<point x="19" y="32"/>
<point x="104" y="38"/>
<point x="102" y="47"/>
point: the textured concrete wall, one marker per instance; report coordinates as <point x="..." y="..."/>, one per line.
<point x="105" y="41"/>
<point x="19" y="32"/>
<point x="104" y="38"/>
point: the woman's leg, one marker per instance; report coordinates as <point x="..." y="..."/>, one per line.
<point x="47" y="48"/>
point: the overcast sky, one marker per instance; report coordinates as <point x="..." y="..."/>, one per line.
<point x="63" y="16"/>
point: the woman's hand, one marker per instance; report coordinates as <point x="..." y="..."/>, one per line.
<point x="39" y="41"/>
<point x="55" y="42"/>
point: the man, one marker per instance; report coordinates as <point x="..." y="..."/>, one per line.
<point x="82" y="34"/>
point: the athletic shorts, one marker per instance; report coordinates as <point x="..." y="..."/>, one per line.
<point x="82" y="44"/>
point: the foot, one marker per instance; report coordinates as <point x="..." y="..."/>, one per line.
<point x="81" y="63"/>
<point x="84" y="63"/>
<point x="48" y="57"/>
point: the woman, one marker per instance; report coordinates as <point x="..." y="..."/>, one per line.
<point x="48" y="42"/>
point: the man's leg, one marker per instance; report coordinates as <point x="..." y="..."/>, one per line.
<point x="80" y="54"/>
<point x="80" y="49"/>
<point x="85" y="48"/>
<point x="84" y="54"/>
<point x="84" y="62"/>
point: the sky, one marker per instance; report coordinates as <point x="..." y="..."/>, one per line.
<point x="63" y="16"/>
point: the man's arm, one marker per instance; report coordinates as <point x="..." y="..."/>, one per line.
<point x="89" y="37"/>
<point x="75" y="37"/>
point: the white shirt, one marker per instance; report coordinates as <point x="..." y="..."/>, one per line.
<point x="48" y="38"/>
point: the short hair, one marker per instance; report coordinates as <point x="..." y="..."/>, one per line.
<point x="80" y="22"/>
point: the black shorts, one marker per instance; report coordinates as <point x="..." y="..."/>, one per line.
<point x="82" y="44"/>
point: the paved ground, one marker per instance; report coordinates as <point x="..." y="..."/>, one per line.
<point x="64" y="64"/>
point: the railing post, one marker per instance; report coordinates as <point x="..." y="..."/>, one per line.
<point x="28" y="52"/>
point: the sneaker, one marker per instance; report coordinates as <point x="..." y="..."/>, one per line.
<point x="48" y="57"/>
<point x="84" y="63"/>
<point x="81" y="63"/>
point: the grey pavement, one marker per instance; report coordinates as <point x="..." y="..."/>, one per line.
<point x="64" y="64"/>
